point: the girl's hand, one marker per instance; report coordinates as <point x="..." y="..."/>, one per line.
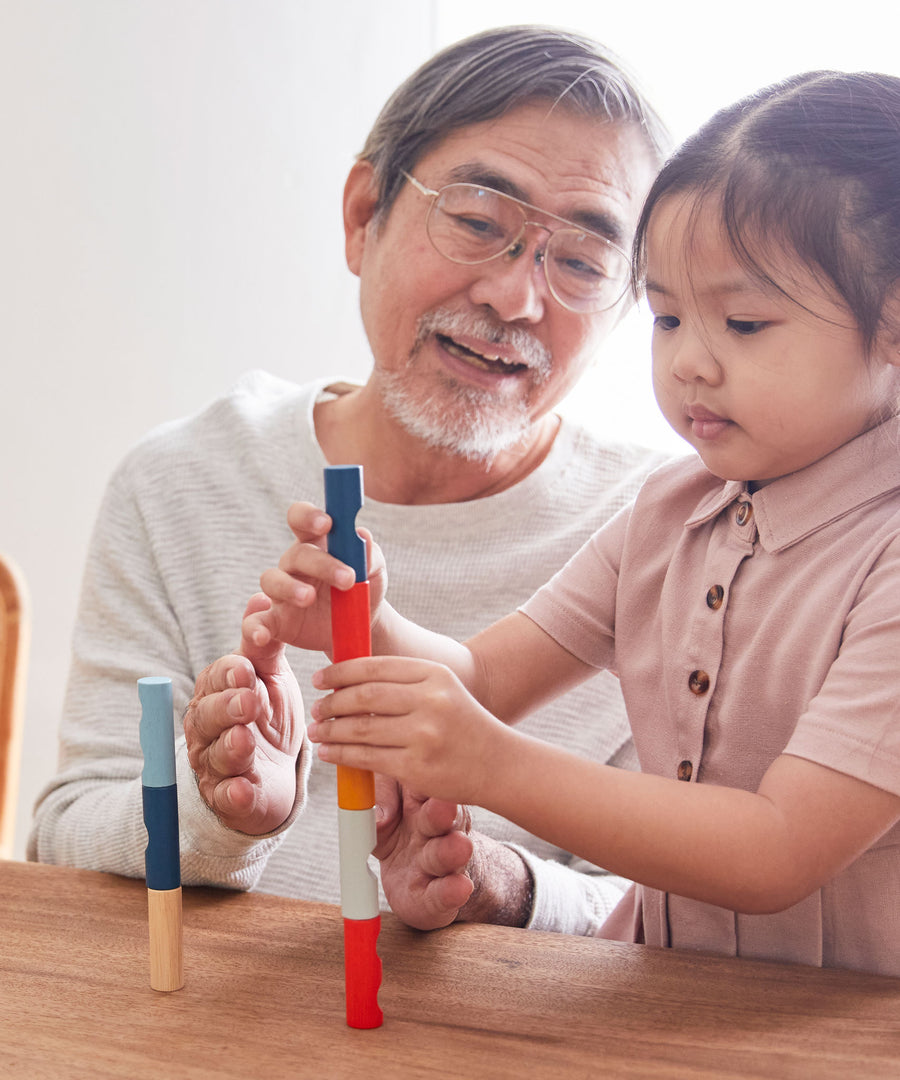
<point x="299" y="588"/>
<point x="411" y="719"/>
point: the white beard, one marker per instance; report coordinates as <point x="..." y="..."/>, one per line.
<point x="472" y="426"/>
<point x="465" y="420"/>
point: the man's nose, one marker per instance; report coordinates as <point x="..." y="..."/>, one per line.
<point x="514" y="285"/>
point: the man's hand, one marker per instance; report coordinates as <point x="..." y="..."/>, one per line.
<point x="244" y="729"/>
<point x="423" y="856"/>
<point x="435" y="872"/>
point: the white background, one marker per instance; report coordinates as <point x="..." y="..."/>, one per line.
<point x="170" y="217"/>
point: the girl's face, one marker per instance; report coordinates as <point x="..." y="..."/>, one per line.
<point x="759" y="384"/>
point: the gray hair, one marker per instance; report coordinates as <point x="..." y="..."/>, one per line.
<point x="483" y="76"/>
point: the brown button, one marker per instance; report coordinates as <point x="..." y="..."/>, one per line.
<point x="698" y="682"/>
<point x="744" y="513"/>
<point x="714" y="597"/>
<point x="685" y="770"/>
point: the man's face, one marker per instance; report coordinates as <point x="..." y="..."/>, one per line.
<point x="469" y="357"/>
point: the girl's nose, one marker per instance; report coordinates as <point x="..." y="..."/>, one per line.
<point x="692" y="358"/>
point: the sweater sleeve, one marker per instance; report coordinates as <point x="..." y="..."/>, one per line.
<point x="90" y="815"/>
<point x="567" y="899"/>
<point x="574" y="896"/>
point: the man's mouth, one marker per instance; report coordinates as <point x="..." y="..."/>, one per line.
<point x="484" y="361"/>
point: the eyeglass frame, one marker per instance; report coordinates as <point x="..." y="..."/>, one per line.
<point x="433" y="194"/>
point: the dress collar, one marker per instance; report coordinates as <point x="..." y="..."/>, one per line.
<point x="792" y="507"/>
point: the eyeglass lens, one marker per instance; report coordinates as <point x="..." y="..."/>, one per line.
<point x="471" y="224"/>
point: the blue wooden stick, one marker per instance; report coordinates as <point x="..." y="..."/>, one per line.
<point x="162" y="858"/>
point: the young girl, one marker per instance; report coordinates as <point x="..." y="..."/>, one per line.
<point x="749" y="600"/>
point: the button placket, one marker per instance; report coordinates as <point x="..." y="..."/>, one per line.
<point x="729" y="545"/>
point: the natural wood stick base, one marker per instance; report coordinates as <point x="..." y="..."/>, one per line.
<point x="166" y="945"/>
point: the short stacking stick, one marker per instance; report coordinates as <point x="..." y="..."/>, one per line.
<point x="356" y="787"/>
<point x="162" y="858"/>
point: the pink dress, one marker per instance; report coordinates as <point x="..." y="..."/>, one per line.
<point x="744" y="626"/>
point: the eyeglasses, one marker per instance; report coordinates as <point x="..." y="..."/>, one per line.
<point x="471" y="224"/>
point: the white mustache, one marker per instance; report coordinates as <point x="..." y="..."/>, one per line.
<point x="528" y="349"/>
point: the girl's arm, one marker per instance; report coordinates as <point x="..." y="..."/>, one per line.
<point x="511" y="668"/>
<point x="750" y="852"/>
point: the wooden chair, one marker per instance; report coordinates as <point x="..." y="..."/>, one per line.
<point x="14" y="636"/>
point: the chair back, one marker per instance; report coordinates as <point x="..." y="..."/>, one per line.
<point x="14" y="638"/>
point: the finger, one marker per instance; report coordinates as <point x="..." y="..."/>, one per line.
<point x="304" y="561"/>
<point x="439" y="901"/>
<point x="260" y="641"/>
<point x="365" y="729"/>
<point x="388" y="802"/>
<point x="447" y="854"/>
<point x="449" y="893"/>
<point x="232" y="753"/>
<point x="210" y="717"/>
<point x="308" y="522"/>
<point x="233" y="799"/>
<point x="365" y="701"/>
<point x="225" y="673"/>
<point x="373" y="758"/>
<point x="280" y="587"/>
<point x="373" y="669"/>
<point x="438" y="816"/>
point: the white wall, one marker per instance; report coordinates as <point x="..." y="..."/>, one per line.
<point x="169" y="217"/>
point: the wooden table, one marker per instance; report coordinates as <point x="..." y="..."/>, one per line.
<point x="263" y="997"/>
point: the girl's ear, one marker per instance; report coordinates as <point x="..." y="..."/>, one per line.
<point x="888" y="342"/>
<point x="360" y="200"/>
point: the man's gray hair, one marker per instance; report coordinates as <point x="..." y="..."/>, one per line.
<point x="483" y="76"/>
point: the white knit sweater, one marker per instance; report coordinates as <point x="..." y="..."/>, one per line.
<point x="190" y="519"/>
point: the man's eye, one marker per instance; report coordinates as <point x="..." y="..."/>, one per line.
<point x="481" y="227"/>
<point x="745" y="327"/>
<point x="580" y="268"/>
<point x="666" y="322"/>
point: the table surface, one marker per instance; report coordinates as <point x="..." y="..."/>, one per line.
<point x="263" y="996"/>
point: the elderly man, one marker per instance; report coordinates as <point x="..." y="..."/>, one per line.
<point x="488" y="218"/>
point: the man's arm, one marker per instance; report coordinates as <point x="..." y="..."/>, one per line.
<point x="436" y="870"/>
<point x="90" y="814"/>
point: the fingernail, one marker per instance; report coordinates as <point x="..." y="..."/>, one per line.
<point x="235" y="707"/>
<point x="230" y="679"/>
<point x="318" y="679"/>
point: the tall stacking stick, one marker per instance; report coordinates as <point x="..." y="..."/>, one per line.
<point x="356" y="787"/>
<point x="162" y="857"/>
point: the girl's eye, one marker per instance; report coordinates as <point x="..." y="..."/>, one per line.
<point x="665" y="322"/>
<point x="745" y="327"/>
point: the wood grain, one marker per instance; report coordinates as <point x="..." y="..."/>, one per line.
<point x="263" y="996"/>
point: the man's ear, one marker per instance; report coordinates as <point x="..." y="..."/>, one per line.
<point x="360" y="200"/>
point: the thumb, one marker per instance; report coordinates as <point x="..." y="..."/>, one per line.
<point x="257" y="643"/>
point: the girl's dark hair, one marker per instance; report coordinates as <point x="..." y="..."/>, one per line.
<point x="809" y="166"/>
